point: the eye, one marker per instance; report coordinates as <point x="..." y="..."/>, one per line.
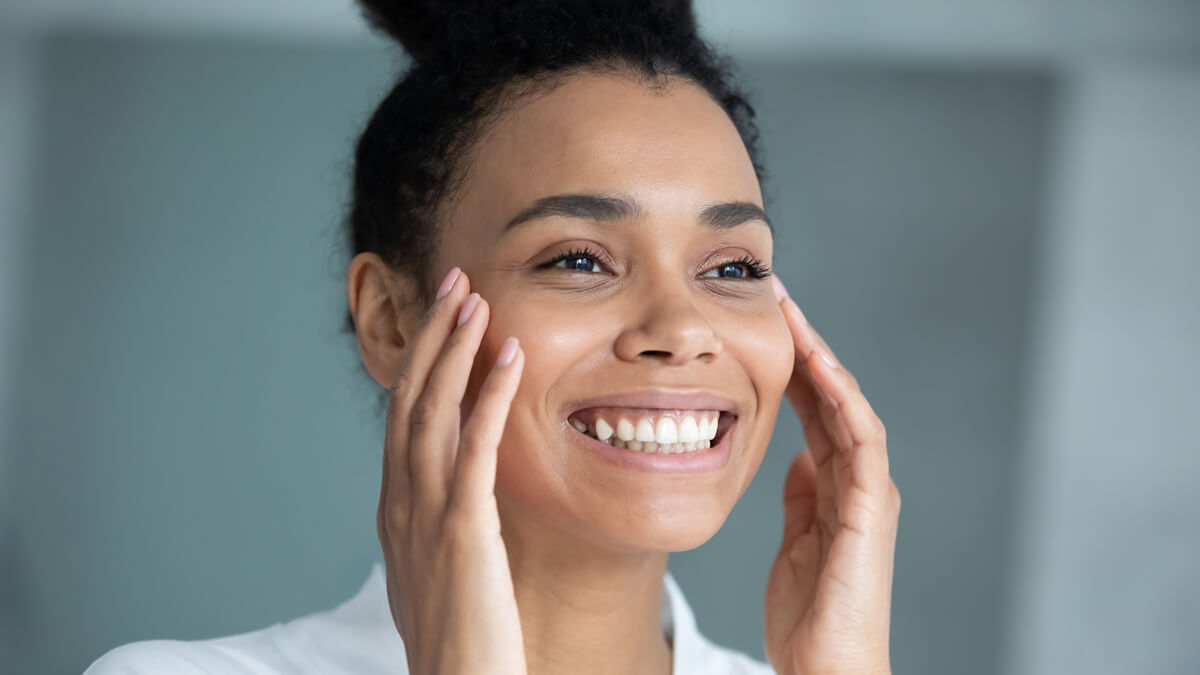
<point x="742" y="268"/>
<point x="576" y="260"/>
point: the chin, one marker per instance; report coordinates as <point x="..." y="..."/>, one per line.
<point x="665" y="524"/>
<point x="673" y="537"/>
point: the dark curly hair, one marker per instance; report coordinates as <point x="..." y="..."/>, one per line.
<point x="471" y="61"/>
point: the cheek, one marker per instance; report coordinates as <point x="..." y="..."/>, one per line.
<point x="555" y="339"/>
<point x="765" y="347"/>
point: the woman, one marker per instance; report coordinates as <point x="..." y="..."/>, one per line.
<point x="560" y="278"/>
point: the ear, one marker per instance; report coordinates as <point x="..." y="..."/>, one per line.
<point x="386" y="314"/>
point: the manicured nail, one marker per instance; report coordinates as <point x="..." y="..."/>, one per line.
<point x="467" y="308"/>
<point x="796" y="309"/>
<point x="448" y="282"/>
<point x="826" y="357"/>
<point x="507" y="351"/>
<point x="780" y="291"/>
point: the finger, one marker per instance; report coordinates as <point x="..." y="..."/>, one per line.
<point x="408" y="384"/>
<point x="863" y="437"/>
<point x="436" y="416"/>
<point x="803" y="393"/>
<point x="824" y="428"/>
<point x="475" y="470"/>
<point x="808" y="342"/>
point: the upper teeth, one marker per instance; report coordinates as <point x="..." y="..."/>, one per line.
<point x="693" y="426"/>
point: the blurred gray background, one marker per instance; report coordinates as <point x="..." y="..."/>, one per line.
<point x="990" y="210"/>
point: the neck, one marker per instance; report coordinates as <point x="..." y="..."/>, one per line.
<point x="585" y="609"/>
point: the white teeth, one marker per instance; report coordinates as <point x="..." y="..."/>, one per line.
<point x="688" y="431"/>
<point x="665" y="431"/>
<point x="645" y="432"/>
<point x="603" y="431"/>
<point x="665" y="435"/>
<point x="659" y="448"/>
<point x="625" y="430"/>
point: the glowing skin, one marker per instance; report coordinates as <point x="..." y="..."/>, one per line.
<point x="662" y="308"/>
<point x="653" y="321"/>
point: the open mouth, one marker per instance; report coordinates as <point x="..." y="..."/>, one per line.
<point x="654" y="430"/>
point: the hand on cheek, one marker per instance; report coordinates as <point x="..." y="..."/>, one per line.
<point x="828" y="600"/>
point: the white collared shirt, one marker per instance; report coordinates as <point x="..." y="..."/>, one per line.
<point x="358" y="637"/>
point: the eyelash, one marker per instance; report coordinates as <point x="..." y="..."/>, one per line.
<point x="755" y="268"/>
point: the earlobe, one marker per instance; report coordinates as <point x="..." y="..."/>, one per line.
<point x="386" y="316"/>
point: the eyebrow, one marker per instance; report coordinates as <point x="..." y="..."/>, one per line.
<point x="609" y="208"/>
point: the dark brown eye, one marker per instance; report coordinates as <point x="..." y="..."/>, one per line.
<point x="735" y="271"/>
<point x="742" y="268"/>
<point x="578" y="264"/>
<point x="578" y="260"/>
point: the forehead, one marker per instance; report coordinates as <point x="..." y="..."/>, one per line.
<point x="670" y="149"/>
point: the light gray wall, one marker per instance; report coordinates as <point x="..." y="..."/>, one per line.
<point x="194" y="452"/>
<point x="196" y="449"/>
<point x="1105" y="574"/>
<point x="18" y="126"/>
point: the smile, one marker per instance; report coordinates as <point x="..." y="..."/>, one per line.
<point x="653" y="430"/>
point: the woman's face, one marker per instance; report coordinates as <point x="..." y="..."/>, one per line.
<point x="655" y="309"/>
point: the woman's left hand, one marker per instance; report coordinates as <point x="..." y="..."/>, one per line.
<point x="828" y="602"/>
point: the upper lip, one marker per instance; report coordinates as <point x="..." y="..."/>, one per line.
<point x="670" y="399"/>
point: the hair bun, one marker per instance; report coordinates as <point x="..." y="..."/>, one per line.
<point x="414" y="24"/>
<point x="421" y="26"/>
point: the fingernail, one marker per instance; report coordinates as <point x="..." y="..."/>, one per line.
<point x="825" y="356"/>
<point x="507" y="351"/>
<point x="780" y="291"/>
<point x="448" y="282"/>
<point x="796" y="309"/>
<point x="467" y="308"/>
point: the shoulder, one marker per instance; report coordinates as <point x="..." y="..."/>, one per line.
<point x="172" y="656"/>
<point x="356" y="637"/>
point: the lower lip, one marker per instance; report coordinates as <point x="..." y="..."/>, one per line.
<point x="696" y="461"/>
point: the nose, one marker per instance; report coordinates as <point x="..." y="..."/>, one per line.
<point x="670" y="328"/>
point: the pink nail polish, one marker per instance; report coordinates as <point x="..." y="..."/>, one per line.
<point x="468" y="308"/>
<point x="448" y="282"/>
<point x="796" y="309"/>
<point x="826" y="357"/>
<point x="507" y="351"/>
<point x="780" y="291"/>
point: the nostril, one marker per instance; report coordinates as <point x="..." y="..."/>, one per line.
<point x="655" y="352"/>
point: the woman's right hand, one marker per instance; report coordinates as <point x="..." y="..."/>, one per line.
<point x="448" y="579"/>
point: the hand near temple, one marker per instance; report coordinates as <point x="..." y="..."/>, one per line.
<point x="828" y="603"/>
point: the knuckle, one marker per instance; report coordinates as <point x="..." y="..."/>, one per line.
<point x="424" y="413"/>
<point x="472" y="437"/>
<point x="401" y="385"/>
<point x="392" y="517"/>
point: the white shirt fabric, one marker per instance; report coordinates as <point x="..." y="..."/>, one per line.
<point x="358" y="637"/>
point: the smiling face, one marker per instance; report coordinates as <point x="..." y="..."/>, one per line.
<point x="630" y="295"/>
